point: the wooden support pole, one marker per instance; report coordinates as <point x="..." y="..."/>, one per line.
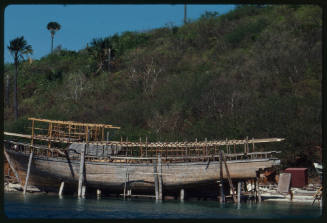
<point x="126" y="182"/>
<point x="146" y="146"/>
<point x="87" y="133"/>
<point x="83" y="191"/>
<point x="81" y="171"/>
<point x="11" y="165"/>
<point x="69" y="128"/>
<point x="28" y="170"/>
<point x="50" y="135"/>
<point x="247" y="144"/>
<point x="258" y="190"/>
<point x="239" y="192"/>
<point x="141" y="149"/>
<point x="61" y="188"/>
<point x="155" y="175"/>
<point x="160" y="177"/>
<point x="229" y="178"/>
<point x="32" y="140"/>
<point x="98" y="192"/>
<point x="182" y="194"/>
<point x="222" y="195"/>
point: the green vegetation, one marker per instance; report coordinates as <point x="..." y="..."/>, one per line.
<point x="255" y="72"/>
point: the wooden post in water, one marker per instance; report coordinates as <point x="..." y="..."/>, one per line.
<point x="81" y="171"/>
<point x="182" y="194"/>
<point x="239" y="192"/>
<point x="258" y="190"/>
<point x="28" y="170"/>
<point x="61" y="188"/>
<point x="83" y="191"/>
<point x="11" y="165"/>
<point x="155" y="175"/>
<point x="98" y="192"/>
<point x="159" y="177"/>
<point x="228" y="176"/>
<point x="125" y="184"/>
<point x="222" y="195"/>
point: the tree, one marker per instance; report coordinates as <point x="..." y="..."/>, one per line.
<point x="102" y="50"/>
<point x="53" y="27"/>
<point x="18" y="47"/>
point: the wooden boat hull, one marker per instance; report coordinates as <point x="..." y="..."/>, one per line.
<point x="47" y="173"/>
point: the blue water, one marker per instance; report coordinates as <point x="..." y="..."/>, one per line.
<point x="51" y="206"/>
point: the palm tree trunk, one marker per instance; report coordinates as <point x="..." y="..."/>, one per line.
<point x="52" y="43"/>
<point x="7" y="91"/>
<point x="185" y="14"/>
<point x="15" y="88"/>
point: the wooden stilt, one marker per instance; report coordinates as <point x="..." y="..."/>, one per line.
<point x="28" y="170"/>
<point x="98" y="192"/>
<point x="83" y="191"/>
<point x="125" y="185"/>
<point x="222" y="195"/>
<point x="160" y="177"/>
<point x="182" y="194"/>
<point x="156" y="184"/>
<point x="11" y="165"/>
<point x="258" y="190"/>
<point x="81" y="171"/>
<point x="61" y="188"/>
<point x="239" y="192"/>
<point x="229" y="178"/>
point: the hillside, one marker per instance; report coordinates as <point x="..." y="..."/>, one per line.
<point x="255" y="71"/>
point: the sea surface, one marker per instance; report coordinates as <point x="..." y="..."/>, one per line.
<point x="38" y="205"/>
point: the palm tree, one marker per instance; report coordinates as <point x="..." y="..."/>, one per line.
<point x="53" y="27"/>
<point x="18" y="47"/>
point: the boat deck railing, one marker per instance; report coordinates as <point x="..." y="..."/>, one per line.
<point x="51" y="138"/>
<point x="129" y="154"/>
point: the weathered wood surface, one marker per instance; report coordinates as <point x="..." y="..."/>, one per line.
<point x="28" y="170"/>
<point x="12" y="167"/>
<point x="229" y="178"/>
<point x="155" y="144"/>
<point x="51" y="171"/>
<point x="73" y="123"/>
<point x="81" y="172"/>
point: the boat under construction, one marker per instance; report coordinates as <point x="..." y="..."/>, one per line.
<point x="82" y="157"/>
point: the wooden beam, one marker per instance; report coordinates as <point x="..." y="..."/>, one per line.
<point x="11" y="165"/>
<point x="61" y="188"/>
<point x="74" y="123"/>
<point x="239" y="192"/>
<point x="182" y="194"/>
<point x="160" y="177"/>
<point x="229" y="178"/>
<point x="258" y="190"/>
<point x="28" y="170"/>
<point x="81" y="171"/>
<point x="221" y="186"/>
<point x="156" y="183"/>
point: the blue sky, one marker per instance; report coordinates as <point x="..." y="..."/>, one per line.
<point x="81" y="23"/>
